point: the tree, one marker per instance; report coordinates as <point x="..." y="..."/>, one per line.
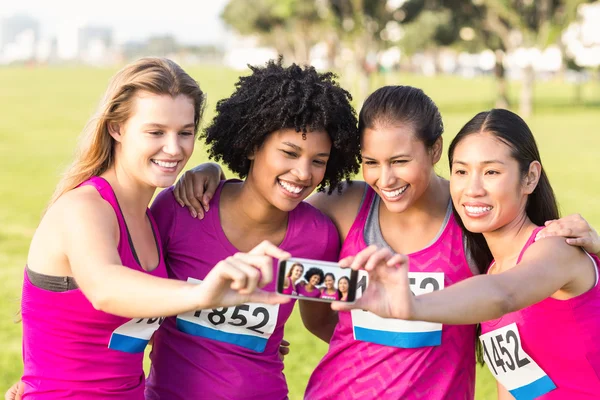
<point x="527" y="23"/>
<point x="292" y="27"/>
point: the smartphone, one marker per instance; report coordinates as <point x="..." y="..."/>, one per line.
<point x="306" y="279"/>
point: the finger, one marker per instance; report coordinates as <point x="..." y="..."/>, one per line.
<point x="377" y="258"/>
<point x="362" y="257"/>
<point x="581" y="242"/>
<point x="183" y="196"/>
<point x="346" y="261"/>
<point x="269" y="249"/>
<point x="263" y="297"/>
<point x="20" y="391"/>
<point x="263" y="263"/>
<point x="284" y="350"/>
<point x="284" y="343"/>
<point x="194" y="188"/>
<point x="344" y="306"/>
<point x="252" y="275"/>
<point x="397" y="260"/>
<point x="549" y="222"/>
<point x="209" y="192"/>
<point x="226" y="270"/>
<point x="177" y="194"/>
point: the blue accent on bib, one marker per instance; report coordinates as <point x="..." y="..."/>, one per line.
<point x="534" y="389"/>
<point x="404" y="340"/>
<point x="254" y="343"/>
<point x="127" y="344"/>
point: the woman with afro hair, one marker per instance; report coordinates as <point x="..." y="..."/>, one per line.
<point x="285" y="131"/>
<point x="312" y="278"/>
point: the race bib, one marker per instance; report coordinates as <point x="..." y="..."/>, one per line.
<point x="512" y="366"/>
<point x="247" y="325"/>
<point x="369" y="327"/>
<point x="133" y="336"/>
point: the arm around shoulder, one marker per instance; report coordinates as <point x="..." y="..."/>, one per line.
<point x="341" y="207"/>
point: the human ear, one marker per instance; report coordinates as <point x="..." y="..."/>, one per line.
<point x="533" y="176"/>
<point x="114" y="130"/>
<point x="436" y="149"/>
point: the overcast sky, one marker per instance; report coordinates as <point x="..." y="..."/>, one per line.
<point x="189" y="21"/>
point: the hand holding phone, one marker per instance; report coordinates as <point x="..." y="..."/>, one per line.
<point x="307" y="279"/>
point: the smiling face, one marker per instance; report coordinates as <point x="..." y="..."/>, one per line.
<point x="487" y="187"/>
<point x="286" y="168"/>
<point x="343" y="285"/>
<point x="155" y="143"/>
<point x="397" y="165"/>
<point x="314" y="280"/>
<point x="296" y="272"/>
<point x="329" y="281"/>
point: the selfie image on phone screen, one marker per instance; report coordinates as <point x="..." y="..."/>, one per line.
<point x="316" y="280"/>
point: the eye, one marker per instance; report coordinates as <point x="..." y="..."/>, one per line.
<point x="156" y="133"/>
<point x="460" y="172"/>
<point x="492" y="172"/>
<point x="187" y="133"/>
<point x="290" y="153"/>
<point x="399" y="161"/>
<point x="320" y="163"/>
<point x="370" y="163"/>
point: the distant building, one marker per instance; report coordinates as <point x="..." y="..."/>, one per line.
<point x="19" y="37"/>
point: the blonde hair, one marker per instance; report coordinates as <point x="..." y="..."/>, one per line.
<point x="95" y="152"/>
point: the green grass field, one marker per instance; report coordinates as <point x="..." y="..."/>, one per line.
<point x="43" y="111"/>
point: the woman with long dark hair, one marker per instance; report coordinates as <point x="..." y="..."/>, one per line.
<point x="539" y="304"/>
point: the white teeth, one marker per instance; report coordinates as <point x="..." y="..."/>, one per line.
<point x="477" y="210"/>
<point x="291" y="188"/>
<point x="394" y="193"/>
<point x="165" y="164"/>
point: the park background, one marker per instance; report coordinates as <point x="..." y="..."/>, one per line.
<point x="540" y="59"/>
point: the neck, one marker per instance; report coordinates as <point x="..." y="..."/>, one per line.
<point x="134" y="197"/>
<point x="507" y="242"/>
<point x="251" y="210"/>
<point x="432" y="205"/>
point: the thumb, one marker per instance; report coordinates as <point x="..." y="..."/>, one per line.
<point x="261" y="296"/>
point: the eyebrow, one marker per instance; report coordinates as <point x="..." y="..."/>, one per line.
<point x="482" y="162"/>
<point x="391" y="158"/>
<point x="298" y="148"/>
<point x="161" y="126"/>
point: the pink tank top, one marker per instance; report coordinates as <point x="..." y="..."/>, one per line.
<point x="303" y="292"/>
<point x="426" y="361"/>
<point x="291" y="289"/>
<point x="334" y="296"/>
<point x="228" y="352"/>
<point x="70" y="349"/>
<point x="560" y="336"/>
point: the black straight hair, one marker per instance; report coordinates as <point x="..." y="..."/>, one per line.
<point x="514" y="132"/>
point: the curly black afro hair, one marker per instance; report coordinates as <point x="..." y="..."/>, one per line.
<point x="274" y="98"/>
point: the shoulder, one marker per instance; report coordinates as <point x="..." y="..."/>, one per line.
<point x="164" y="200"/>
<point x="341" y="207"/>
<point x="554" y="251"/>
<point x="82" y="201"/>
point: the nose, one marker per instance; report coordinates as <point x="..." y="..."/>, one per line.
<point x="302" y="170"/>
<point x="386" y="178"/>
<point x="172" y="144"/>
<point x="475" y="186"/>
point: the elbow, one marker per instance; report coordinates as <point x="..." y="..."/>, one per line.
<point x="506" y="302"/>
<point x="101" y="301"/>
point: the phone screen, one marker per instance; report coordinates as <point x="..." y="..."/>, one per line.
<point x="316" y="280"/>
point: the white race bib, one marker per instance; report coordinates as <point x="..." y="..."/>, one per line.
<point x="369" y="327"/>
<point x="247" y="325"/>
<point x="133" y="336"/>
<point x="512" y="366"/>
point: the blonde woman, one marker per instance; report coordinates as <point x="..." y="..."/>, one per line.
<point x="94" y="282"/>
